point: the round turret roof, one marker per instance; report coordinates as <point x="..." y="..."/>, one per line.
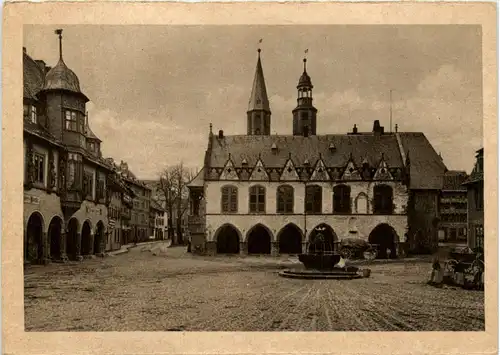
<point x="305" y="80"/>
<point x="61" y="77"/>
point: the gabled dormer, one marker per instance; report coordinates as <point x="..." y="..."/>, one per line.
<point x="289" y="172"/>
<point x="383" y="172"/>
<point x="259" y="172"/>
<point x="229" y="172"/>
<point x="351" y="172"/>
<point x="320" y="173"/>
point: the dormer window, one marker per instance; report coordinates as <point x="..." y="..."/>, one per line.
<point x="92" y="146"/>
<point x="30" y="113"/>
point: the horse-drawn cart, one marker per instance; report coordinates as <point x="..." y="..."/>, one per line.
<point x="464" y="268"/>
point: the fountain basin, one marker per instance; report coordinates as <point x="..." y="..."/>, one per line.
<point x="319" y="261"/>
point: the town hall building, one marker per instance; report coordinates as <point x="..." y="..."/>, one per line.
<point x="262" y="193"/>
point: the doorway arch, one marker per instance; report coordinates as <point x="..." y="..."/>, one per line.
<point x="54" y="235"/>
<point x="322" y="239"/>
<point x="34" y="238"/>
<point x="227" y="238"/>
<point x="386" y="239"/>
<point x="290" y="239"/>
<point x="86" y="238"/>
<point x="259" y="240"/>
<point x="99" y="238"/>
<point x="71" y="238"/>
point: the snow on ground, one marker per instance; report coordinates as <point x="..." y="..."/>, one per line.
<point x="139" y="291"/>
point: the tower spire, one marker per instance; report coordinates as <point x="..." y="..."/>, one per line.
<point x="304" y="115"/>
<point x="59" y="33"/>
<point x="259" y="112"/>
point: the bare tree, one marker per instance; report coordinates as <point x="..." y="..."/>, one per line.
<point x="173" y="188"/>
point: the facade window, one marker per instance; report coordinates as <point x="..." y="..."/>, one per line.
<point x="382" y="199"/>
<point x="341" y="199"/>
<point x="285" y="199"/>
<point x="88" y="184"/>
<point x="30" y="113"/>
<point x="257" y="199"/>
<point x="71" y="121"/>
<point x="39" y="168"/>
<point x="479" y="231"/>
<point x="479" y="197"/>
<point x="229" y="199"/>
<point x="100" y="189"/>
<point x="314" y="199"/>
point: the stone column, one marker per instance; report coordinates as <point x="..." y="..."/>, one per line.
<point x="62" y="243"/>
<point x="275" y="250"/>
<point x="210" y="248"/>
<point x="304" y="247"/>
<point x="78" y="247"/>
<point x="91" y="249"/>
<point x="45" y="249"/>
<point x="243" y="248"/>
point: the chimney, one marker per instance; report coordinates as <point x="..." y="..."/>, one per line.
<point x="376" y="126"/>
<point x="396" y="128"/>
<point x="354" y="129"/>
<point x="306" y="131"/>
<point x="221" y="134"/>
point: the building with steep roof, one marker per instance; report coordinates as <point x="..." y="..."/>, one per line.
<point x="139" y="222"/>
<point x="65" y="182"/>
<point x="269" y="194"/>
<point x="453" y="210"/>
<point x="475" y="203"/>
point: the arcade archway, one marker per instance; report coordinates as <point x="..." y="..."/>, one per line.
<point x="86" y="238"/>
<point x="228" y="240"/>
<point x="322" y="239"/>
<point x="259" y="240"/>
<point x="99" y="238"/>
<point x="34" y="238"/>
<point x="385" y="238"/>
<point x="290" y="239"/>
<point x="71" y="238"/>
<point x="54" y="236"/>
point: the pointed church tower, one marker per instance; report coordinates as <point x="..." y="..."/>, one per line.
<point x="304" y="115"/>
<point x="259" y="113"/>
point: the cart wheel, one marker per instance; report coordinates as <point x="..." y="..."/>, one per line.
<point x="450" y="265"/>
<point x="346" y="253"/>
<point x="370" y="254"/>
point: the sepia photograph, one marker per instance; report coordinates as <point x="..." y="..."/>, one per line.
<point x="249" y="182"/>
<point x="320" y="178"/>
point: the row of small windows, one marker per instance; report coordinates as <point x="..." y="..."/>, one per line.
<point x="382" y="202"/>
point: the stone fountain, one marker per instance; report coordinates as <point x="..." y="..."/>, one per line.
<point x="322" y="262"/>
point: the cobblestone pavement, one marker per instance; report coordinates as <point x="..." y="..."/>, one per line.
<point x="138" y="291"/>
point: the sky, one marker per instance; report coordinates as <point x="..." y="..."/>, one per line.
<point x="154" y="90"/>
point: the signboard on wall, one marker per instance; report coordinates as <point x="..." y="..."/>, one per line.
<point x="33" y="200"/>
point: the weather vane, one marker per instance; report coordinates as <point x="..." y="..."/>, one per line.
<point x="260" y="41"/>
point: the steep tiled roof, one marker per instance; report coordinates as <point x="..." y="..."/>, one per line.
<point x="156" y="206"/>
<point x="426" y="167"/>
<point x="33" y="77"/>
<point x="301" y="149"/>
<point x="198" y="180"/>
<point x="89" y="134"/>
<point x="39" y="131"/>
<point x="453" y="180"/>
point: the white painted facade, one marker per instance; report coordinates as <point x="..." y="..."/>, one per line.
<point x="357" y="224"/>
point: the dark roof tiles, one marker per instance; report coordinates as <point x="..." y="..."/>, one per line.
<point x="301" y="149"/>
